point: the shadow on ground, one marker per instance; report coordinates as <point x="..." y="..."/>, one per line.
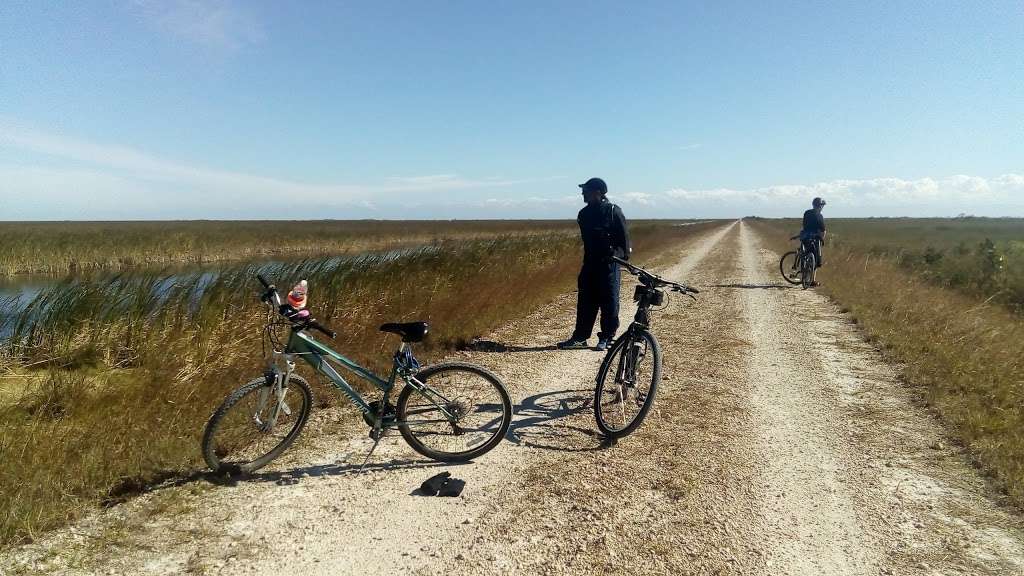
<point x="755" y="286"/>
<point x="539" y="422"/>
<point x="492" y="346"/>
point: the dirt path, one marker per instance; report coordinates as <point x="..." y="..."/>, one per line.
<point x="780" y="443"/>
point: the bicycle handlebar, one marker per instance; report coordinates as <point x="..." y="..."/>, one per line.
<point x="272" y="298"/>
<point x="654" y="278"/>
<point x="318" y="326"/>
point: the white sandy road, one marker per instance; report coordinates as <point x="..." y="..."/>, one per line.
<point x="780" y="444"/>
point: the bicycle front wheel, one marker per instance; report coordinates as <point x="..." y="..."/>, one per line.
<point x="462" y="412"/>
<point x="253" y="426"/>
<point x="790" y="268"/>
<point x="626" y="384"/>
<point x="807" y="269"/>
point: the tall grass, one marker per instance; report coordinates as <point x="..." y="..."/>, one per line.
<point x="62" y="247"/>
<point x="961" y="350"/>
<point x="982" y="257"/>
<point x="116" y="377"/>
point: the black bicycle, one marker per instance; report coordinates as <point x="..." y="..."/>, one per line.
<point x="628" y="378"/>
<point x="797" y="267"/>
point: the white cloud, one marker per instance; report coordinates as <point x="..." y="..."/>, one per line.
<point x="213" y="23"/>
<point x="126" y="181"/>
<point x="637" y="198"/>
<point x="74" y="178"/>
<point x="532" y="202"/>
<point x="878" y="196"/>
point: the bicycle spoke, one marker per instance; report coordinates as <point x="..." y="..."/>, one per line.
<point x="244" y="432"/>
<point x="624" y="392"/>
<point x="460" y="409"/>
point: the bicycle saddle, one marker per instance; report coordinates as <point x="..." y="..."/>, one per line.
<point x="409" y="331"/>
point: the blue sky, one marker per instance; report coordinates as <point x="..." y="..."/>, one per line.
<point x="138" y="109"/>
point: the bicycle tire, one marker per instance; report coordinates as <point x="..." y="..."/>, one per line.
<point x="791" y="267"/>
<point x="215" y="450"/>
<point x="653" y="351"/>
<point x="806" y="270"/>
<point x="416" y="432"/>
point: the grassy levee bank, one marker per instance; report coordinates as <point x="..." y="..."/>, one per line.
<point x="107" y="384"/>
<point x="62" y="247"/>
<point x="963" y="349"/>
<point x="982" y="257"/>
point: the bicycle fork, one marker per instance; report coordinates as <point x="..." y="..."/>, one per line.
<point x="276" y="388"/>
<point x="631" y="356"/>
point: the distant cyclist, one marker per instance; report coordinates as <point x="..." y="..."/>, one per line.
<point x="604" y="233"/>
<point x="813" y="233"/>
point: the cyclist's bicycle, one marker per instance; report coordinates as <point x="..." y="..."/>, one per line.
<point x="628" y="377"/>
<point x="797" y="267"/>
<point x="451" y="412"/>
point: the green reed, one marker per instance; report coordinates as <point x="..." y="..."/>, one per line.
<point x="112" y="379"/>
<point x="77" y="247"/>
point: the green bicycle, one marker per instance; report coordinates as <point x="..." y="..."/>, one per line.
<point x="450" y="412"/>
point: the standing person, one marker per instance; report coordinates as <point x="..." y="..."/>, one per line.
<point x="813" y="233"/>
<point x="604" y="233"/>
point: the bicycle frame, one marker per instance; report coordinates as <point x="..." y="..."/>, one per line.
<point x="320" y="357"/>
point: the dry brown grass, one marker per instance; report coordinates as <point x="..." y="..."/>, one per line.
<point x="61" y="247"/>
<point x="115" y="379"/>
<point x="965" y="355"/>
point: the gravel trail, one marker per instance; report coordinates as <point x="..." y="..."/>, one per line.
<point x="780" y="443"/>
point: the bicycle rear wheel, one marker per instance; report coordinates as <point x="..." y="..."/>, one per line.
<point x="626" y="384"/>
<point x="789" y="266"/>
<point x="475" y="398"/>
<point x="243" y="435"/>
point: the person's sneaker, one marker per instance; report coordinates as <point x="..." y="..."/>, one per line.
<point x="602" y="344"/>
<point x="572" y="344"/>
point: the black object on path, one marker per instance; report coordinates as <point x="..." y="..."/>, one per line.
<point x="442" y="485"/>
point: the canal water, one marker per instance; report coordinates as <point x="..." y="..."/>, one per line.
<point x="16" y="292"/>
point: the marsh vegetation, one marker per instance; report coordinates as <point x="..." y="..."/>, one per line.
<point x="76" y="247"/>
<point x="107" y="381"/>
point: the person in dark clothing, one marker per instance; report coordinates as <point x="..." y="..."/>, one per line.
<point x="813" y="233"/>
<point x="604" y="233"/>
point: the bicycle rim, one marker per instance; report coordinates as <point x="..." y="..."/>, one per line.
<point x="479" y="408"/>
<point x="626" y="384"/>
<point x="789" y="267"/>
<point x="243" y="435"/>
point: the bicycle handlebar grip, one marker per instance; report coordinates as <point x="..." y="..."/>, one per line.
<point x="263" y="281"/>
<point x="692" y="289"/>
